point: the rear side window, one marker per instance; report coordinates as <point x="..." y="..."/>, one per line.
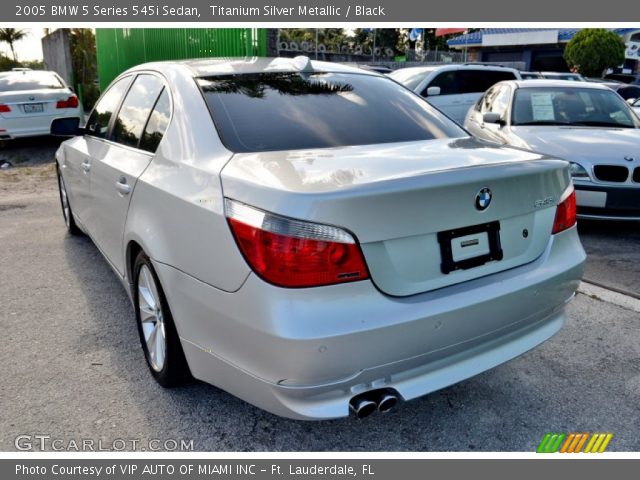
<point x="98" y="123"/>
<point x="16" y="81"/>
<point x="136" y="108"/>
<point x="468" y="81"/>
<point x="288" y="111"/>
<point x="157" y="124"/>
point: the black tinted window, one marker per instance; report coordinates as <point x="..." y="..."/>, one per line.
<point x="16" y="81"/>
<point x="135" y="110"/>
<point x="157" y="123"/>
<point x="286" y="111"/>
<point x="98" y="123"/>
<point x="468" y="81"/>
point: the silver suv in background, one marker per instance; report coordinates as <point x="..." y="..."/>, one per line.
<point x="455" y="88"/>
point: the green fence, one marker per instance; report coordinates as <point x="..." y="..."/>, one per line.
<point x="122" y="48"/>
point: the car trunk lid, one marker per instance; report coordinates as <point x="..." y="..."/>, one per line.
<point x="414" y="207"/>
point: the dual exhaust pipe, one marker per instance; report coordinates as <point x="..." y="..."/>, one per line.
<point x="366" y="403"/>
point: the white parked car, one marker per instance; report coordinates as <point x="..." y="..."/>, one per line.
<point x="315" y="238"/>
<point x="30" y="100"/>
<point x="585" y="123"/>
<point x="453" y="88"/>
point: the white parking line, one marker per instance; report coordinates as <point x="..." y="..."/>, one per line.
<point x="609" y="296"/>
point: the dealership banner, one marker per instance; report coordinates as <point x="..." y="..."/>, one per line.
<point x="286" y="11"/>
<point x="263" y="469"/>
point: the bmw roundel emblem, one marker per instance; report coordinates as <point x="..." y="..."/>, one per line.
<point x="483" y="199"/>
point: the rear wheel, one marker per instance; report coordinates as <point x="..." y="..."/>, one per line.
<point x="72" y="228"/>
<point x="158" y="334"/>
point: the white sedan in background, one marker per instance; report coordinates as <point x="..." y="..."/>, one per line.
<point x="315" y="238"/>
<point x="585" y="123"/>
<point x="30" y="100"/>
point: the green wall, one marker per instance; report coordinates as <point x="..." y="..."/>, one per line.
<point x="121" y="48"/>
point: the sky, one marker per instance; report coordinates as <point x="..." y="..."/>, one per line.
<point x="29" y="48"/>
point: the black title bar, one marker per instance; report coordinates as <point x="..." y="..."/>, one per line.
<point x="284" y="11"/>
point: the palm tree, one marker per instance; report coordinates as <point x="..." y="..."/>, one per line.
<point x="10" y="36"/>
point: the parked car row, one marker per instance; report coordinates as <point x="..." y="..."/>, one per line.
<point x="317" y="239"/>
<point x="582" y="121"/>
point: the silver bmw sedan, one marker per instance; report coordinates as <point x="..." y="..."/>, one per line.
<point x="316" y="239"/>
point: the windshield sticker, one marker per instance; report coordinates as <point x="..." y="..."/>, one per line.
<point x="542" y="107"/>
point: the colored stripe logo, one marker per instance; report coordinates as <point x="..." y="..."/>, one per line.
<point x="574" y="443"/>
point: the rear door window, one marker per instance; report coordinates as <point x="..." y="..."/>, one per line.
<point x="98" y="123"/>
<point x="157" y="124"/>
<point x="136" y="108"/>
<point x="288" y="111"/>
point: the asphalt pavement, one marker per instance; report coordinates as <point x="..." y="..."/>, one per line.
<point x="72" y="368"/>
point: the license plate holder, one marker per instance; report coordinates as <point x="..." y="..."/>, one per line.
<point x="469" y="237"/>
<point x="33" y="108"/>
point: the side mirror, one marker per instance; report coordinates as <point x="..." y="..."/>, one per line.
<point x="631" y="101"/>
<point x="66" y="127"/>
<point x="492" y="117"/>
<point x="433" y="91"/>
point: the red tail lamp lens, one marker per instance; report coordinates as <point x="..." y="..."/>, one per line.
<point x="293" y="253"/>
<point x="71" y="102"/>
<point x="565" y="214"/>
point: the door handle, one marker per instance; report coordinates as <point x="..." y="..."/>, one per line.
<point x="122" y="186"/>
<point x="86" y="166"/>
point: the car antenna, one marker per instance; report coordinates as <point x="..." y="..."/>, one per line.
<point x="303" y="64"/>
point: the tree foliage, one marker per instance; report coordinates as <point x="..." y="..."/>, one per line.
<point x="10" y="36"/>
<point x="84" y="64"/>
<point x="592" y="50"/>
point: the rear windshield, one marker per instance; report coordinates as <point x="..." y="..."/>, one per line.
<point x="15" y="81"/>
<point x="290" y="111"/>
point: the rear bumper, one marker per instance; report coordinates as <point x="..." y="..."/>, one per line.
<point x="33" y="126"/>
<point x="605" y="202"/>
<point x="305" y="353"/>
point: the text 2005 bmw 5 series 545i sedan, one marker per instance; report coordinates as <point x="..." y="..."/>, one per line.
<point x="316" y="239"/>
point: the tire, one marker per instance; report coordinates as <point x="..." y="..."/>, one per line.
<point x="158" y="335"/>
<point x="67" y="214"/>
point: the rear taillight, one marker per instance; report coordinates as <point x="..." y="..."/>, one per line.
<point x="565" y="214"/>
<point x="294" y="253"/>
<point x="4" y="108"/>
<point x="71" y="102"/>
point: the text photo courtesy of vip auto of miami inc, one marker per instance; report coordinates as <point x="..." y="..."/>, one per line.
<point x="320" y="239"/>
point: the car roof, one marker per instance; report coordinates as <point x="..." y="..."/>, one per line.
<point x="203" y="67"/>
<point x="458" y="66"/>
<point x="29" y="71"/>
<point x="537" y="83"/>
<point x="561" y="74"/>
